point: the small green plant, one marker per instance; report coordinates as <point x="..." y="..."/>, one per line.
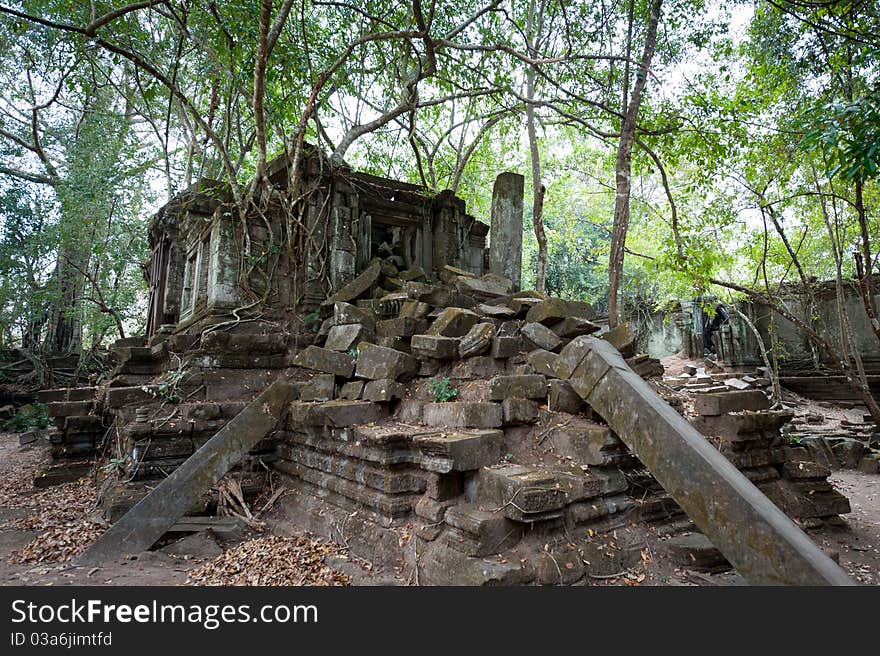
<point x="442" y="390"/>
<point x="28" y="417"/>
<point x="795" y="439"/>
<point x="353" y="351"/>
<point x="313" y="321"/>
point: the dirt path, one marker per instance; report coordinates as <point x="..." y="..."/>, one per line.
<point x="858" y="544"/>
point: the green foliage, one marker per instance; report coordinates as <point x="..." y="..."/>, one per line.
<point x="312" y="321"/>
<point x="442" y="390"/>
<point x="848" y="135"/>
<point x="29" y="417"/>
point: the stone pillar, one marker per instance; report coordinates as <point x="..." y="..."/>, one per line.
<point x="505" y="238"/>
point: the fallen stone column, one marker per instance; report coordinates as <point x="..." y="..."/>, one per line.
<point x="157" y="512"/>
<point x="764" y="545"/>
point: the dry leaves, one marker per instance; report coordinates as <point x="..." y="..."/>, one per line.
<point x="271" y="560"/>
<point x="61" y="513"/>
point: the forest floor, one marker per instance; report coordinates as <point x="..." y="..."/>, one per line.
<point x="41" y="531"/>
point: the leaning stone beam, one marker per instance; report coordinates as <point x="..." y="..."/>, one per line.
<point x="764" y="545"/>
<point x="157" y="512"/>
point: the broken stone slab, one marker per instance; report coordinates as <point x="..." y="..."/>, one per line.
<point x="519" y="411"/>
<point x="477" y="367"/>
<point x="383" y="390"/>
<point x="462" y="414"/>
<point x="345" y="337"/>
<point x="434" y="346"/>
<point x="541" y="336"/>
<point x="351" y="391"/>
<point x="504" y="346"/>
<point x="495" y="311"/>
<point x="572" y="327"/>
<point x="477" y="340"/>
<point x="450" y="274"/>
<point x="453" y="322"/>
<point x="358" y="287"/>
<point x="548" y="312"/>
<point x="737" y="384"/>
<point x="320" y="388"/>
<point x="734" y="401"/>
<point x="468" y="450"/>
<point x="696" y="551"/>
<point x="764" y="545"/>
<point x="400" y="327"/>
<point x="561" y="397"/>
<point x="415" y="273"/>
<point x="621" y="338"/>
<point x="520" y="491"/>
<point x="157" y="512"/>
<point x="414" y="309"/>
<point x="587" y="443"/>
<point x="521" y="387"/>
<point x="479" y="532"/>
<point x="543" y="362"/>
<point x="345" y="313"/>
<point x="325" y="360"/>
<point x="335" y="414"/>
<point x="743" y="425"/>
<point x="378" y="362"/>
<point x="488" y="287"/>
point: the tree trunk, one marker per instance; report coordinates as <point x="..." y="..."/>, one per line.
<point x="623" y="165"/>
<point x="533" y="32"/>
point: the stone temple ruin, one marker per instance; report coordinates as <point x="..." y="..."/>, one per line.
<point x="418" y="405"/>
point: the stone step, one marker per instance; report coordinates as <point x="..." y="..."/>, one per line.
<point x="478" y="532"/>
<point x="524" y="493"/>
<point x="388" y="505"/>
<point x="395" y="481"/>
<point x="468" y="450"/>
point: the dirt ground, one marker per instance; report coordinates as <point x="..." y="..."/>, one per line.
<point x="47" y="526"/>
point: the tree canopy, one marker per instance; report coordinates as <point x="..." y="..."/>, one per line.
<point x="670" y="147"/>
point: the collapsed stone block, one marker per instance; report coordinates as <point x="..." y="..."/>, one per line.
<point x="719" y="403"/>
<point x="548" y="312"/>
<point x="345" y="337"/>
<point x="462" y="414"/>
<point x="378" y="362"/>
<point x="541" y="336"/>
<point x="383" y="390"/>
<point x="519" y="411"/>
<point x="325" y="360"/>
<point x="562" y="398"/>
<point x="434" y="346"/>
<point x="360" y="286"/>
<point x="477" y="340"/>
<point x="468" y="450"/>
<point x="351" y="391"/>
<point x="335" y="414"/>
<point x="543" y="362"/>
<point x="523" y="387"/>
<point x="345" y="313"/>
<point x="400" y="327"/>
<point x="453" y="322"/>
<point x="504" y="346"/>
<point x="574" y="327"/>
<point x="496" y="311"/>
<point x="521" y="492"/>
<point x="479" y="532"/>
<point x="319" y="388"/>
